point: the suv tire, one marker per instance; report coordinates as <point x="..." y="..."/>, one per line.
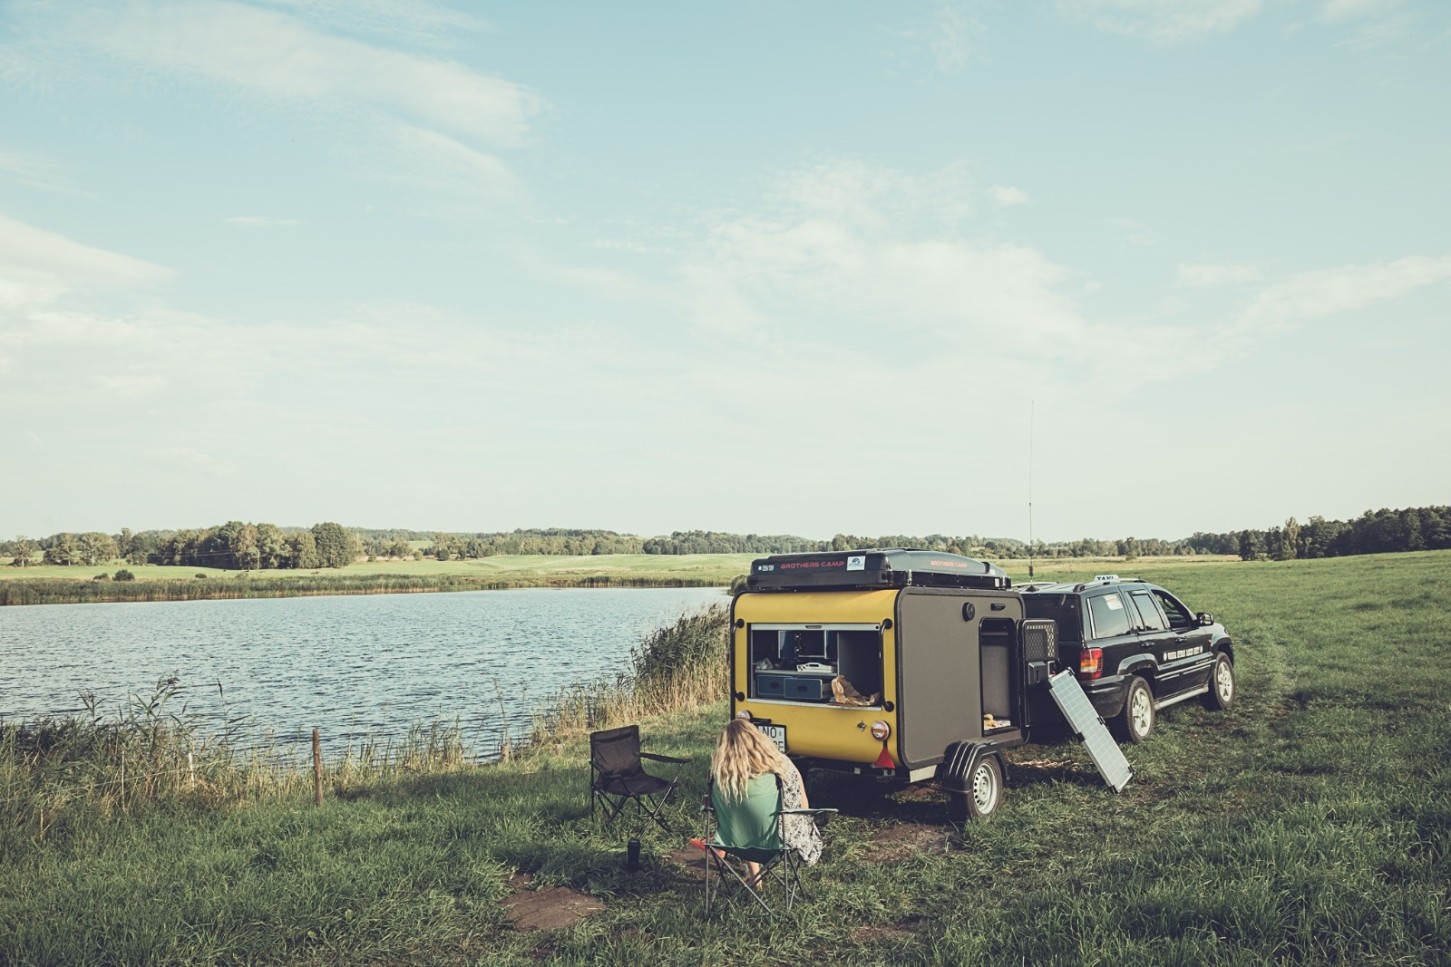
<point x="1136" y="722"/>
<point x="1222" y="686"/>
<point x="984" y="795"/>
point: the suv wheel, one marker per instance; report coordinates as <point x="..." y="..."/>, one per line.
<point x="1221" y="683"/>
<point x="984" y="795"/>
<point x="1136" y="722"/>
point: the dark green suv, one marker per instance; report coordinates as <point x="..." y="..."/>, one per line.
<point x="1136" y="648"/>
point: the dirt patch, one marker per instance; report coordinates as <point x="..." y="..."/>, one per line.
<point x="553" y="908"/>
<point x="895" y="842"/>
<point x="887" y="932"/>
<point x="690" y="860"/>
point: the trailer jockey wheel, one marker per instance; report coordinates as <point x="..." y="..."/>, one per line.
<point x="984" y="792"/>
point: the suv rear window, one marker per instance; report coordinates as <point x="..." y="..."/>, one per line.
<point x="1110" y="617"/>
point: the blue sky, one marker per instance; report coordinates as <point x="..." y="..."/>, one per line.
<point x="759" y="267"/>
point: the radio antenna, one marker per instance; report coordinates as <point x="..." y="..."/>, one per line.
<point x="1032" y="408"/>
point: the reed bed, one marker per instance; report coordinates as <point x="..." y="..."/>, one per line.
<point x="19" y="591"/>
<point x="682" y="666"/>
<point x="62" y="771"/>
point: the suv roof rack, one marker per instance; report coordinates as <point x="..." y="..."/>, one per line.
<point x="873" y="568"/>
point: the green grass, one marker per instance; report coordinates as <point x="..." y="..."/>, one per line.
<point x="1310" y="824"/>
<point x="53" y="584"/>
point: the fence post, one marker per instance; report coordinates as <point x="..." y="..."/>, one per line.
<point x="191" y="769"/>
<point x="317" y="766"/>
<point x="123" y="778"/>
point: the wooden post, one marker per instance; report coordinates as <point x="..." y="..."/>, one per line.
<point x="123" y="777"/>
<point x="191" y="769"/>
<point x="317" y="766"/>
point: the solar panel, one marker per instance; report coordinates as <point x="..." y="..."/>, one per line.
<point x="1079" y="712"/>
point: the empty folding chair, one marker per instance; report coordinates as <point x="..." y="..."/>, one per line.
<point x="618" y="777"/>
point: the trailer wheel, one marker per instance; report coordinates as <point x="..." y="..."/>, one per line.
<point x="984" y="794"/>
<point x="1136" y="722"/>
<point x="1221" y="683"/>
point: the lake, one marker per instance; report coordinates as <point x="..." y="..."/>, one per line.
<point x="354" y="666"/>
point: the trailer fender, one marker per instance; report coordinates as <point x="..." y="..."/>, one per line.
<point x="954" y="773"/>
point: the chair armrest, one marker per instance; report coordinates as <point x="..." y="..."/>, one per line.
<point x="663" y="758"/>
<point x="810" y="812"/>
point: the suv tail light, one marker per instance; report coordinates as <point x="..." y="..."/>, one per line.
<point x="1090" y="663"/>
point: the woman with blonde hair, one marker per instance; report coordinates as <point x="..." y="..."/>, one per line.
<point x="744" y="770"/>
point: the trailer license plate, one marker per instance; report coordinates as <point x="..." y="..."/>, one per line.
<point x="777" y="734"/>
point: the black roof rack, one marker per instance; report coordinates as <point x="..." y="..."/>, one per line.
<point x="875" y="568"/>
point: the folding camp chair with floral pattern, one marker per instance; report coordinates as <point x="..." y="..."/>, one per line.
<point x="753" y="831"/>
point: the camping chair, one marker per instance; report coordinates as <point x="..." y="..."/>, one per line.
<point x="617" y="777"/>
<point x="750" y="831"/>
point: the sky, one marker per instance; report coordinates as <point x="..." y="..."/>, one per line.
<point x="1086" y="268"/>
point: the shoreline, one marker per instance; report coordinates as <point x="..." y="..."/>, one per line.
<point x="22" y="592"/>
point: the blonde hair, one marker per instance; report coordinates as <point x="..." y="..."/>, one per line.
<point x="742" y="754"/>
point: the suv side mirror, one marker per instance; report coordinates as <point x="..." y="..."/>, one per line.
<point x="1205" y="618"/>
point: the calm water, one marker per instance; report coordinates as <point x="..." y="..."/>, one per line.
<point x="352" y="666"/>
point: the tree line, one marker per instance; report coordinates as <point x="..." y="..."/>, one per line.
<point x="236" y="545"/>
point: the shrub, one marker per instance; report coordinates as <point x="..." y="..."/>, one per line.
<point x="125" y="575"/>
<point x="201" y="575"/>
<point x="103" y="576"/>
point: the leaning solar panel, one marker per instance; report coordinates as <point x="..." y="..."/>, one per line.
<point x="1086" y="722"/>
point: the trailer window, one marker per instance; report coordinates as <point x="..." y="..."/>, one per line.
<point x="794" y="663"/>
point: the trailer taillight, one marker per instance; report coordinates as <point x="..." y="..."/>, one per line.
<point x="1090" y="663"/>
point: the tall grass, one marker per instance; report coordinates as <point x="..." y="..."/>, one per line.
<point x="60" y="772"/>
<point x="16" y="591"/>
<point x="681" y="666"/>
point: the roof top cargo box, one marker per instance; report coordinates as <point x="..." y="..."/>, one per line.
<point x="883" y="568"/>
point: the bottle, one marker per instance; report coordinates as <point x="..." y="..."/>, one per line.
<point x="632" y="855"/>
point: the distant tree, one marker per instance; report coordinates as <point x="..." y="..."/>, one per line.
<point x="1251" y="545"/>
<point x="273" y="550"/>
<point x="125" y="575"/>
<point x="303" y="550"/>
<point x="1290" y="541"/>
<point x="63" y="549"/>
<point x="23" y="549"/>
<point x="334" y="548"/>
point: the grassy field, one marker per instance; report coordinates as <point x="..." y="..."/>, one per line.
<point x="53" y="584"/>
<point x="1310" y="824"/>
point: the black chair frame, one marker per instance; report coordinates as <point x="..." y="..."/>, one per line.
<point x="780" y="868"/>
<point x="618" y="777"/>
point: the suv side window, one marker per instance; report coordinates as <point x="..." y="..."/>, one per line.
<point x="1149" y="617"/>
<point x="1179" y="616"/>
<point x="1110" y="617"/>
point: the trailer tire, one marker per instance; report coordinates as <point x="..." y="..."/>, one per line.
<point x="984" y="793"/>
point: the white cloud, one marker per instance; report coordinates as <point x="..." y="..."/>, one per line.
<point x="1204" y="275"/>
<point x="1165" y="21"/>
<point x="415" y="21"/>
<point x="1326" y="292"/>
<point x="431" y="157"/>
<point x="33" y="170"/>
<point x="953" y="35"/>
<point x="1008" y="196"/>
<point x="37" y="266"/>
<point x="268" y="53"/>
